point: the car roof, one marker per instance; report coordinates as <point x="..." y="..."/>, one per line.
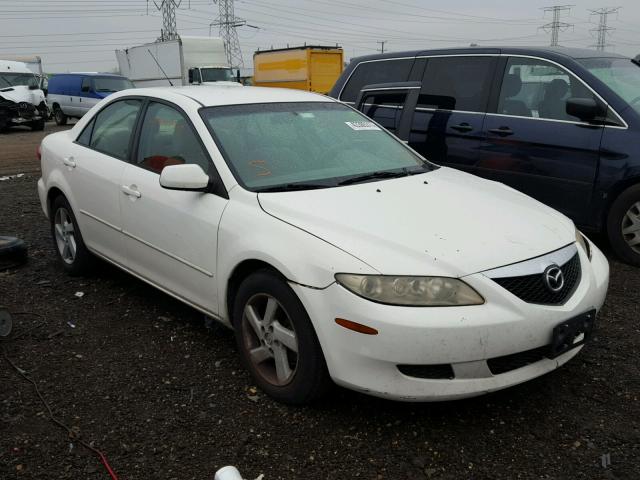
<point x="232" y="94"/>
<point x="574" y="53"/>
<point x="87" y="74"/>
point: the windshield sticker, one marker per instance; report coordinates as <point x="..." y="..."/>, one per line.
<point x="306" y="114"/>
<point x="362" y="125"/>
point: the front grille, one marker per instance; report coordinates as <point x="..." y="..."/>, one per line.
<point x="532" y="288"/>
<point x="507" y="363"/>
<point x="442" y="371"/>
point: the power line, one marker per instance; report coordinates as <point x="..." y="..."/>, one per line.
<point x="556" y="26"/>
<point x="602" y="30"/>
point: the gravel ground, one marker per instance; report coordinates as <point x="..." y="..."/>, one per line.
<point x="164" y="397"/>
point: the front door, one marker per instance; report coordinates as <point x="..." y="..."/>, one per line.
<point x="448" y="119"/>
<point x="171" y="236"/>
<point x="534" y="146"/>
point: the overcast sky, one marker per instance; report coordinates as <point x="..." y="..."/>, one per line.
<point x="81" y="35"/>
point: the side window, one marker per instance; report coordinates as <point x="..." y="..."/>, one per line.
<point x="85" y="136"/>
<point x="369" y="73"/>
<point x="86" y="84"/>
<point x="538" y="89"/>
<point x="384" y="108"/>
<point x="167" y="139"/>
<point x="113" y="128"/>
<point x="457" y="83"/>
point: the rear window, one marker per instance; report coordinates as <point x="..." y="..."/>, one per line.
<point x="379" y="71"/>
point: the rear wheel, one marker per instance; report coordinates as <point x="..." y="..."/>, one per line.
<point x="67" y="239"/>
<point x="623" y="225"/>
<point x="277" y="341"/>
<point x="59" y="116"/>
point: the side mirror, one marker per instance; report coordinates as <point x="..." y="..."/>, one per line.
<point x="188" y="177"/>
<point x="586" y="109"/>
<point x="33" y="87"/>
<point x="191" y="75"/>
<point x="238" y="75"/>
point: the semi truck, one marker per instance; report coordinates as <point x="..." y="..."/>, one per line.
<point x="311" y="68"/>
<point x="184" y="61"/>
<point x="22" y="101"/>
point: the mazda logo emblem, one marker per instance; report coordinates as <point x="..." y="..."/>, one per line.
<point x="553" y="278"/>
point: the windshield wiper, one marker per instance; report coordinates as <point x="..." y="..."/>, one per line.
<point x="375" y="176"/>
<point x="290" y="187"/>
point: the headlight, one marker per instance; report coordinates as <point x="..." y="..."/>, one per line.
<point x="582" y="240"/>
<point x="411" y="291"/>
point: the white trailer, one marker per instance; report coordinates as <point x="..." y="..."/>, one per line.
<point x="32" y="62"/>
<point x="179" y="62"/>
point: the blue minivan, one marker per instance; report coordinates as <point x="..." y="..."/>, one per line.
<point x="561" y="125"/>
<point x="71" y="95"/>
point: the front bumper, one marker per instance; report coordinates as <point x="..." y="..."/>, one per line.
<point x="463" y="338"/>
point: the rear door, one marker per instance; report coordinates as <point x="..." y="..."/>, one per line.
<point x="533" y="145"/>
<point x="370" y="72"/>
<point x="447" y="125"/>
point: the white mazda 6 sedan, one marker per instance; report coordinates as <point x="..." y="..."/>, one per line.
<point x="333" y="250"/>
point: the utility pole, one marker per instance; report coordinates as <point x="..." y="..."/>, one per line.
<point x="555" y="26"/>
<point x="169" y="28"/>
<point x="382" y="42"/>
<point x="603" y="29"/>
<point x="227" y="23"/>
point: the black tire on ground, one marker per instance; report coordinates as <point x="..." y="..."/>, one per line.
<point x="82" y="261"/>
<point x="310" y="378"/>
<point x="618" y="220"/>
<point x="37" y="125"/>
<point x="13" y="252"/>
<point x="59" y="116"/>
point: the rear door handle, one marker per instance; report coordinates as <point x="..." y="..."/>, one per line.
<point x="502" y="131"/>
<point x="463" y="127"/>
<point x="131" y="191"/>
<point x="69" y="162"/>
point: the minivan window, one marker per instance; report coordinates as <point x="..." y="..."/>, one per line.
<point x="539" y="89"/>
<point x="457" y="83"/>
<point x="384" y="107"/>
<point x="114" y="126"/>
<point x="380" y="71"/>
<point x="324" y="143"/>
<point x="111" y="84"/>
<point x="619" y="74"/>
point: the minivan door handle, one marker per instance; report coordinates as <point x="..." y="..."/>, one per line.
<point x="502" y="131"/>
<point x="462" y="127"/>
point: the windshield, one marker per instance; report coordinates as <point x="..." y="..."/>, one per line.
<point x="619" y="74"/>
<point x="216" y="74"/>
<point x="111" y="84"/>
<point x="15" y="79"/>
<point x="313" y="144"/>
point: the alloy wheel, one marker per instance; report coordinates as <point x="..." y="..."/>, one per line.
<point x="631" y="227"/>
<point x="65" y="235"/>
<point x="270" y="339"/>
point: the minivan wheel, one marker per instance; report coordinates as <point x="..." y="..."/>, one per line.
<point x="67" y="239"/>
<point x="276" y="340"/>
<point x="59" y="116"/>
<point x="623" y="225"/>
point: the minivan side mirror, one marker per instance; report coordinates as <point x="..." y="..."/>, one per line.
<point x="188" y="177"/>
<point x="586" y="109"/>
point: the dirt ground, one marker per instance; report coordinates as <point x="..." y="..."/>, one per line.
<point x="164" y="397"/>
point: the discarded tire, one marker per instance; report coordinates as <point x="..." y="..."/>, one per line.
<point x="13" y="252"/>
<point x="5" y="323"/>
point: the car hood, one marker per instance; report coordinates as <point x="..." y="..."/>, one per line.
<point x="443" y="222"/>
<point x="22" y="93"/>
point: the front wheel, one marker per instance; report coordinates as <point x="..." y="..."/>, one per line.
<point x="277" y="342"/>
<point x="67" y="239"/>
<point x="59" y="116"/>
<point x="623" y="225"/>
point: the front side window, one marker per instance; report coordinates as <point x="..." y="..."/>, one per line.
<point x="114" y="126"/>
<point x="369" y="73"/>
<point x="86" y="84"/>
<point x="111" y="84"/>
<point x="166" y="138"/>
<point x="619" y="74"/>
<point x="384" y="107"/>
<point x="326" y="144"/>
<point x="457" y="83"/>
<point x="539" y="89"/>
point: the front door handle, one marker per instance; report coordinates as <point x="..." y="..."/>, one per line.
<point x="69" y="162"/>
<point x="131" y="191"/>
<point x="502" y="131"/>
<point x="463" y="127"/>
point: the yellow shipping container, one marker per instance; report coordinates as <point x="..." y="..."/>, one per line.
<point x="312" y="68"/>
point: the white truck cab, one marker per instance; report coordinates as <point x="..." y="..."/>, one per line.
<point x="22" y="101"/>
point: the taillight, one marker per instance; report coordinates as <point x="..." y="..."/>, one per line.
<point x="39" y="153"/>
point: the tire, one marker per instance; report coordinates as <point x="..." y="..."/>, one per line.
<point x="59" y="116"/>
<point x="307" y="377"/>
<point x="13" y="252"/>
<point x="67" y="239"/>
<point x="37" y="125"/>
<point x="623" y="225"/>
